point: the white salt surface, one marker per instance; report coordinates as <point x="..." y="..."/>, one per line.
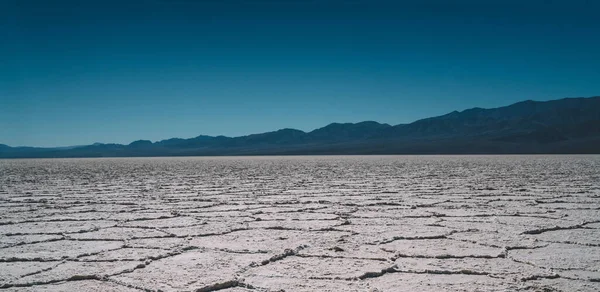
<point x="343" y="223"/>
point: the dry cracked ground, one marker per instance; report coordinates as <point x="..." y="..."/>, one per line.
<point x="377" y="223"/>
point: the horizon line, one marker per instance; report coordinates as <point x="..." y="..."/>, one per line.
<point x="289" y="128"/>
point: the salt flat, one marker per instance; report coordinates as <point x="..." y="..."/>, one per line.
<point x="338" y="223"/>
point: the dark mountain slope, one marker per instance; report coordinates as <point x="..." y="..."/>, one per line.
<point x="337" y="132"/>
<point x="526" y="121"/>
<point x="570" y="125"/>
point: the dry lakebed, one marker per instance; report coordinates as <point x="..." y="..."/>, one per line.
<point x="301" y="223"/>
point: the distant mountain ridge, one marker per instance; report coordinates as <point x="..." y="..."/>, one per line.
<point x="569" y="125"/>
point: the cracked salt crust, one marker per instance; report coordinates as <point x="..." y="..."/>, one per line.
<point x="376" y="223"/>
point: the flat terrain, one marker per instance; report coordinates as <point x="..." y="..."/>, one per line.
<point x="376" y="223"/>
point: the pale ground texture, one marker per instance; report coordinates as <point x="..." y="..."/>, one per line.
<point x="233" y="224"/>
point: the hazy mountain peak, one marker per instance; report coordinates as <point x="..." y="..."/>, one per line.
<point x="139" y="143"/>
<point x="570" y="125"/>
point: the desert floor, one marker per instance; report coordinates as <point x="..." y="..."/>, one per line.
<point x="319" y="223"/>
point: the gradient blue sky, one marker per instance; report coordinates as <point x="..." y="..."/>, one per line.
<point x="78" y="72"/>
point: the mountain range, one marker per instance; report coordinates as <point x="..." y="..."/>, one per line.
<point x="569" y="125"/>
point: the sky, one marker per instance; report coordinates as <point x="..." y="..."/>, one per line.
<point x="79" y="72"/>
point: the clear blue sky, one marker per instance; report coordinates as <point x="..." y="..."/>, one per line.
<point x="78" y="72"/>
